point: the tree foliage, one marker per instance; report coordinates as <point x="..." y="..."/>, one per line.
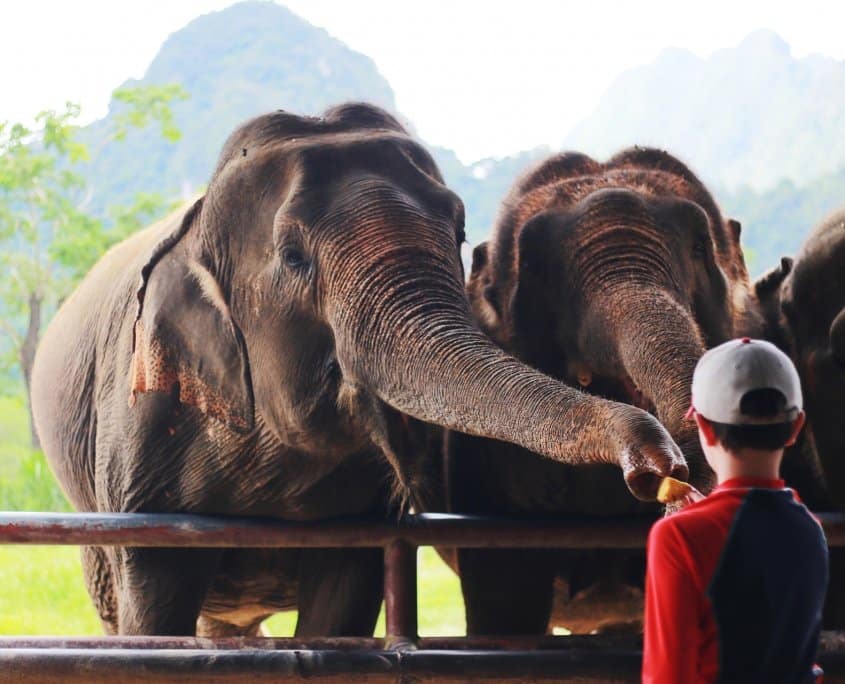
<point x="147" y="105"/>
<point x="48" y="237"/>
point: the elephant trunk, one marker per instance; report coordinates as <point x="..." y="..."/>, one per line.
<point x="659" y="345"/>
<point x="405" y="332"/>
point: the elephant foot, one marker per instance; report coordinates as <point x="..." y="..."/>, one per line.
<point x="605" y="607"/>
<point x="212" y="628"/>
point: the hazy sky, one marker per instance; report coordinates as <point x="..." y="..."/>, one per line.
<point x="484" y="78"/>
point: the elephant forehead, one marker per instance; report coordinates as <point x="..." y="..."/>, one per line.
<point x="363" y="197"/>
<point x="324" y="157"/>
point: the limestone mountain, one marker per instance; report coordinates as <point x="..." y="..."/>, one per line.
<point x="748" y="115"/>
<point x="250" y="58"/>
<point x="760" y="126"/>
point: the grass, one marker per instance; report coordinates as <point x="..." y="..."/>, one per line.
<point x="42" y="593"/>
<point x="26" y="483"/>
<point x="41" y="588"/>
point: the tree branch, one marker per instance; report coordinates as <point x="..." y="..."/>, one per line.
<point x="17" y="338"/>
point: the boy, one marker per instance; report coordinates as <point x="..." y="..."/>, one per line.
<point x="736" y="580"/>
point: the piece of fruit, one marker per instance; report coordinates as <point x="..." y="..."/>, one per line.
<point x="671" y="490"/>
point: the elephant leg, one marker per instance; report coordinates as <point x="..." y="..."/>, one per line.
<point x="339" y="592"/>
<point x="213" y="628"/>
<point x="100" y="585"/>
<point x="161" y="591"/>
<point x="506" y="592"/>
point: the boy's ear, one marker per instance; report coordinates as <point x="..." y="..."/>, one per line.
<point x="705" y="428"/>
<point x="796" y="428"/>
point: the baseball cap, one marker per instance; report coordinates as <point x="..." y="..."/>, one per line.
<point x="725" y="374"/>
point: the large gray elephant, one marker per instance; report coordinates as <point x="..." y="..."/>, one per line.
<point x="613" y="277"/>
<point x="803" y="301"/>
<point x="279" y="349"/>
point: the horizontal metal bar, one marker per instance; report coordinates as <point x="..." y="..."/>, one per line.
<point x="600" y="658"/>
<point x="170" y="643"/>
<point x="77" y="666"/>
<point x="72" y="666"/>
<point x="832" y="643"/>
<point x="520" y="643"/>
<point x="188" y="530"/>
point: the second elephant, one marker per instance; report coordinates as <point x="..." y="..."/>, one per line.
<point x="613" y="277"/>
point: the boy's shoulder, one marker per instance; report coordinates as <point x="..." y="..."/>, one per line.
<point x="693" y="539"/>
<point x="722" y="504"/>
<point x="702" y="528"/>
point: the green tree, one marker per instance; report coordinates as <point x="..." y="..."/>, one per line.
<point x="48" y="240"/>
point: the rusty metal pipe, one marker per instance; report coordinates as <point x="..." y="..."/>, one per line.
<point x="186" y="659"/>
<point x="72" y="666"/>
<point x="188" y="530"/>
<point x="400" y="593"/>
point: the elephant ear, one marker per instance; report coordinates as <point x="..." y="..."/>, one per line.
<point x="837" y="338"/>
<point x="735" y="229"/>
<point x="537" y="295"/>
<point x="480" y="255"/>
<point x="479" y="290"/>
<point x="771" y="280"/>
<point x="185" y="340"/>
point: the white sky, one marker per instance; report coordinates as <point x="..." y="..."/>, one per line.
<point x="485" y="78"/>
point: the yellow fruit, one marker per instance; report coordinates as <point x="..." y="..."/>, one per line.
<point x="671" y="490"/>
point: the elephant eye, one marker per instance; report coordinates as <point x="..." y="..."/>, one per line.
<point x="294" y="258"/>
<point x="699" y="249"/>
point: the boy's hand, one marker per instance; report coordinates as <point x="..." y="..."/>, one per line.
<point x="676" y="494"/>
<point x="691" y="497"/>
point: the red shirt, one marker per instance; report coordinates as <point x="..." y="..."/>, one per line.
<point x="711" y="609"/>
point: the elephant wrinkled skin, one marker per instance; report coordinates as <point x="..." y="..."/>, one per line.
<point x="281" y="348"/>
<point x="613" y="277"/>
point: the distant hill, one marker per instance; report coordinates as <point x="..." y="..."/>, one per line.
<point x="250" y="58"/>
<point x="776" y="221"/>
<point x="483" y="185"/>
<point x="761" y="127"/>
<point x="749" y="115"/>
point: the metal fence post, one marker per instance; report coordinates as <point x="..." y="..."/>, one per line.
<point x="400" y="593"/>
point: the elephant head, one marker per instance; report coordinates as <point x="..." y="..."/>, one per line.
<point x="614" y="277"/>
<point x="314" y="295"/>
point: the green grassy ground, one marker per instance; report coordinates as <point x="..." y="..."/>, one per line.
<point x="26" y="482"/>
<point x="41" y="593"/>
<point x="41" y="588"/>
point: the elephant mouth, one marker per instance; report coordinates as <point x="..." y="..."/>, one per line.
<point x="622" y="389"/>
<point x="637" y="397"/>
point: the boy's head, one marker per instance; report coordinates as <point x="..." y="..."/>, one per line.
<point x="746" y="398"/>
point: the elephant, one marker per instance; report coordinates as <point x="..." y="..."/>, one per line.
<point x="284" y="347"/>
<point x="613" y="277"/>
<point x="803" y="304"/>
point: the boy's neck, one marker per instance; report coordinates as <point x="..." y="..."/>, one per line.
<point x="748" y="463"/>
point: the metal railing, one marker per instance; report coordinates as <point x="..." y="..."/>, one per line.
<point x="401" y="656"/>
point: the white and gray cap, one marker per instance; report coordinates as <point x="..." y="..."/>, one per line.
<point x="725" y="374"/>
